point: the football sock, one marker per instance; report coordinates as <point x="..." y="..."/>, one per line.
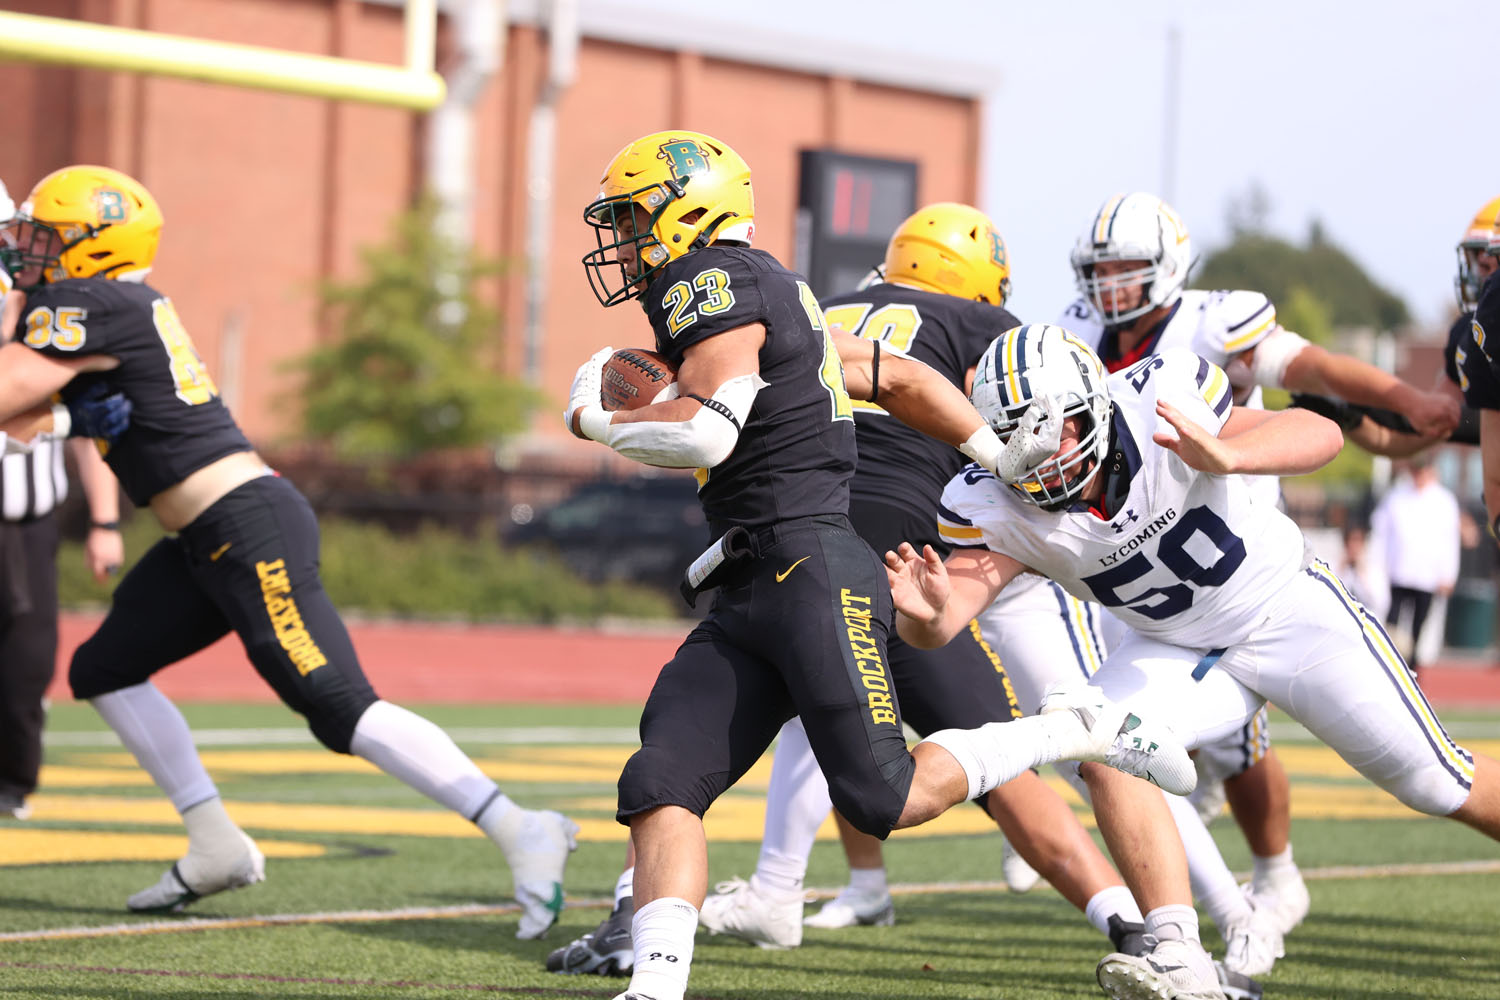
<point x="1268" y="870"/>
<point x="662" y="931"/>
<point x="998" y="751"/>
<point x="868" y="881"/>
<point x="419" y="754"/>
<point x="625" y="886"/>
<point x="1175" y="922"/>
<point x="1214" y="886"/>
<point x="155" y="732"/>
<point x="1116" y="900"/>
<point x="797" y="800"/>
<point x="214" y="842"/>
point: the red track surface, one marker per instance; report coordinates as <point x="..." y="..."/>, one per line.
<point x="412" y="662"/>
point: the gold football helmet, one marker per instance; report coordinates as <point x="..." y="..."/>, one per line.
<point x="950" y="249"/>
<point x="662" y="196"/>
<point x="83" y="222"/>
<point x="1472" y="268"/>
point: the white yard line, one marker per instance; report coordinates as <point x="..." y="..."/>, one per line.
<point x="1417" y="869"/>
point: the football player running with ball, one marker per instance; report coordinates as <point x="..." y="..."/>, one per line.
<point x="799" y="624"/>
<point x="241" y="554"/>
<point x="1130" y="490"/>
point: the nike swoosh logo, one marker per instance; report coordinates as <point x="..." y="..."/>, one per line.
<point x="1164" y="968"/>
<point x="216" y="553"/>
<point x="787" y="572"/>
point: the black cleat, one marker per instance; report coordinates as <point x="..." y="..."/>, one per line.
<point x="606" y="951"/>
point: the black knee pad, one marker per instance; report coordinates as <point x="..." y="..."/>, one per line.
<point x="869" y="807"/>
<point x="647" y="781"/>
<point x="332" y="720"/>
<point x="93" y="672"/>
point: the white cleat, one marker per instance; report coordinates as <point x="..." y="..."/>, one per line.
<point x="1252" y="945"/>
<point x="1285" y="896"/>
<point x="1113" y="735"/>
<point x="192" y="878"/>
<point x="1173" y="970"/>
<point x="747" y="911"/>
<point x="1019" y="875"/>
<point x="536" y="868"/>
<point x="854" y="909"/>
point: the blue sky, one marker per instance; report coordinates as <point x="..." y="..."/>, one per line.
<point x="1375" y="118"/>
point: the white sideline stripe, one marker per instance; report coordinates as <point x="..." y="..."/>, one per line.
<point x="295" y="736"/>
<point x="1417" y="869"/>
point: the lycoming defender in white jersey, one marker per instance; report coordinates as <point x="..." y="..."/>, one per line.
<point x="1160" y="561"/>
<point x="1132" y="263"/>
<point x="1138" y="502"/>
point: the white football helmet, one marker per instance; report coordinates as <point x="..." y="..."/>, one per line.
<point x="1029" y="381"/>
<point x="1135" y="227"/>
<point x="7" y="207"/>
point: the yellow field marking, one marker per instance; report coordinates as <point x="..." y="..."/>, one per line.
<point x="25" y="846"/>
<point x="1307" y="760"/>
<point x="69" y="776"/>
<point x="555" y="765"/>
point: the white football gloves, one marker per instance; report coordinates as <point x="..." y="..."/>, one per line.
<point x="587" y="382"/>
<point x="1035" y="438"/>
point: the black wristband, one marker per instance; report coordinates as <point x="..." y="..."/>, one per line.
<point x="875" y="374"/>
<point x="105" y="525"/>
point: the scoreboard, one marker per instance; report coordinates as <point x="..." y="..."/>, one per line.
<point x="848" y="208"/>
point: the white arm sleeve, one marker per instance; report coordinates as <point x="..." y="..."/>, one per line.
<point x="1273" y="354"/>
<point x="701" y="442"/>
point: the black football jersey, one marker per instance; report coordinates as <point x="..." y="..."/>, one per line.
<point x="897" y="465"/>
<point x="178" y="424"/>
<point x="1478" y="356"/>
<point x="795" y="454"/>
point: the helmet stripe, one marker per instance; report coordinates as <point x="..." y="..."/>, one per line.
<point x="1016" y="377"/>
<point x="1105" y="220"/>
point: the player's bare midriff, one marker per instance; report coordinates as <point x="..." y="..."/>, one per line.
<point x="176" y="506"/>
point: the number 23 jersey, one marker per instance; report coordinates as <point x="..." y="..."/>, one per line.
<point x="795" y="454"/>
<point x="1186" y="558"/>
<point x="178" y="424"/>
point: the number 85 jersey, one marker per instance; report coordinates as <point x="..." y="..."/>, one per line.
<point x="178" y="423"/>
<point x="1183" y="556"/>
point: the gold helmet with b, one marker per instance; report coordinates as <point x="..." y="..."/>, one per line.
<point x="83" y="222"/>
<point x="950" y="249"/>
<point x="1481" y="234"/>
<point x="662" y="196"/>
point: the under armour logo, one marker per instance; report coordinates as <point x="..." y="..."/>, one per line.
<point x="1130" y="516"/>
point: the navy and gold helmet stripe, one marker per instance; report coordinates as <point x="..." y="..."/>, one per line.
<point x="1104" y="222"/>
<point x="1455" y="759"/>
<point x="1016" y="385"/>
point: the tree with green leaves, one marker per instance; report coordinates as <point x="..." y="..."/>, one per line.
<point x="413" y="365"/>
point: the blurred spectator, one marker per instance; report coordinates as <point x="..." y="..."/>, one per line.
<point x="1416" y="530"/>
<point x="1363" y="571"/>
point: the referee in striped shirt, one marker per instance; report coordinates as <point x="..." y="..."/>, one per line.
<point x="31" y="488"/>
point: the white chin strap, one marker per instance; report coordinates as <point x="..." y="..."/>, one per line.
<point x="1036" y="438"/>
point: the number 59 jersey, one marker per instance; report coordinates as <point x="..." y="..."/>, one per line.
<point x="178" y="424"/>
<point x="1185" y="557"/>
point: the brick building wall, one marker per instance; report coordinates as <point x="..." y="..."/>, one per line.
<point x="265" y="194"/>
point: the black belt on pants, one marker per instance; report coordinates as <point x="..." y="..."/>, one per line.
<point x="738" y="545"/>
